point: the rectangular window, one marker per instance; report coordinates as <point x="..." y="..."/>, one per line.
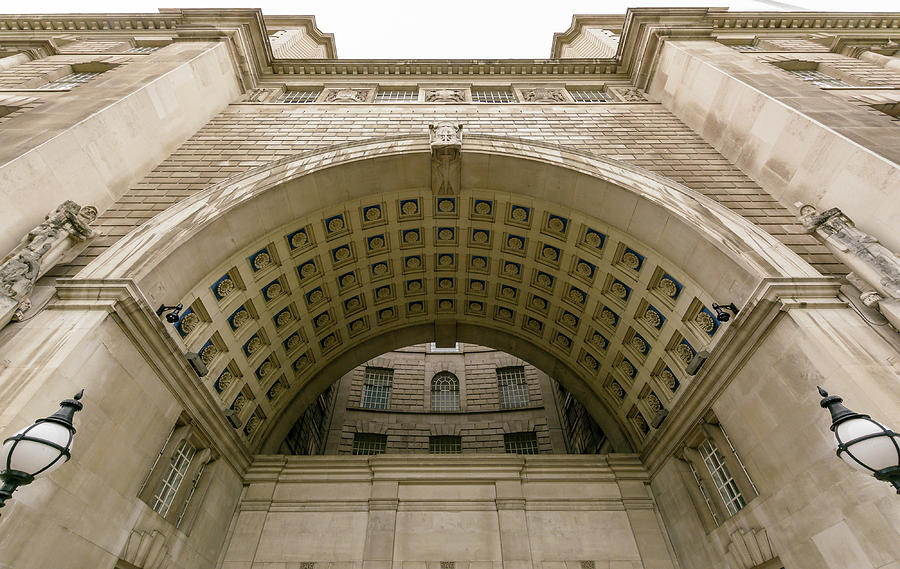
<point x="71" y="80"/>
<point x="396" y="95"/>
<point x="747" y="47"/>
<point x="493" y="96"/>
<point x="445" y="444"/>
<point x="376" y="392"/>
<point x="512" y="386"/>
<point x="521" y="443"/>
<point x="369" y="443"/>
<point x="721" y="476"/>
<point x="173" y="478"/>
<point x="590" y="96"/>
<point x="298" y="97"/>
<point x="142" y="49"/>
<point x="820" y="79"/>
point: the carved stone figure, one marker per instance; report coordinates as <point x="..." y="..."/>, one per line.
<point x="40" y="250"/>
<point x="543" y="95"/>
<point x="872" y="262"/>
<point x="446" y="147"/>
<point x="445" y="96"/>
<point x="347" y="96"/>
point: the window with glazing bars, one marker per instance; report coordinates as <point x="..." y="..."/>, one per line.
<point x="142" y="49"/>
<point x="512" y="387"/>
<point x="376" y="392"/>
<point x="396" y="95"/>
<point x="521" y="443"/>
<point x="722" y="478"/>
<point x="747" y="47"/>
<point x="369" y="443"/>
<point x="445" y="444"/>
<point x="493" y="96"/>
<point x="444" y="392"/>
<point x="173" y="478"/>
<point x="297" y="97"/>
<point x="590" y="96"/>
<point x="71" y="80"/>
<point x="820" y="79"/>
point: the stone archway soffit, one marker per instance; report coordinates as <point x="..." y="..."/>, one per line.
<point x="622" y="317"/>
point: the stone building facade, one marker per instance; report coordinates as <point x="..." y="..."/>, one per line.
<point x="685" y="217"/>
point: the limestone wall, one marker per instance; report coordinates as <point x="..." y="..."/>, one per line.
<point x="83" y="514"/>
<point x="490" y="512"/>
<point x="817" y="512"/>
<point x="90" y="143"/>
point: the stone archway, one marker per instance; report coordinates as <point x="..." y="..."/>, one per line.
<point x="305" y="266"/>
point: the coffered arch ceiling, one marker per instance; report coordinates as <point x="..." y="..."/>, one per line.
<point x="296" y="272"/>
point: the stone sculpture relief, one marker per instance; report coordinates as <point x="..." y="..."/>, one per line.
<point x="446" y="151"/>
<point x="43" y="247"/>
<point x="629" y="94"/>
<point x="445" y="96"/>
<point x="870" y="261"/>
<point x="543" y="95"/>
<point x="347" y="95"/>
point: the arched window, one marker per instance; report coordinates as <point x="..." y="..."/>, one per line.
<point x="444" y="392"/>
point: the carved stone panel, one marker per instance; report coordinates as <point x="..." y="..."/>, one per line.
<point x="629" y="94"/>
<point x="446" y="147"/>
<point x="347" y="95"/>
<point x="544" y="95"/>
<point x="445" y="95"/>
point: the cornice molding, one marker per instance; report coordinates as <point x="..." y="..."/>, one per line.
<point x="312" y="30"/>
<point x="771" y="299"/>
<point x="442" y="69"/>
<point x="124" y="301"/>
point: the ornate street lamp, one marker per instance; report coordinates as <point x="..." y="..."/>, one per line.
<point x="39" y="449"/>
<point x="863" y="443"/>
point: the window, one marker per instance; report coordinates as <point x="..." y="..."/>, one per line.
<point x="725" y="483"/>
<point x="432" y="347"/>
<point x="175" y="483"/>
<point x="142" y="49"/>
<point x="492" y="96"/>
<point x="298" y="97"/>
<point x="521" y="443"/>
<point x="513" y="387"/>
<point x="369" y="443"/>
<point x="748" y="47"/>
<point x="715" y="469"/>
<point x="173" y="478"/>
<point x="819" y="79"/>
<point x="376" y="392"/>
<point x="445" y="444"/>
<point x="71" y="80"/>
<point x="590" y="96"/>
<point x="396" y="95"/>
<point x="444" y="392"/>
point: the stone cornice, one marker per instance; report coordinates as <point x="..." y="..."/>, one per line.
<point x="445" y="68"/>
<point x="132" y="312"/>
<point x="312" y="30"/>
<point x="772" y="298"/>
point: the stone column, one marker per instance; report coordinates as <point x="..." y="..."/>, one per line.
<point x="378" y="552"/>
<point x="13" y="60"/>
<point x="515" y="544"/>
<point x="646" y="524"/>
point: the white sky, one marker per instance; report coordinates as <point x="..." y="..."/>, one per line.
<point x="460" y="29"/>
